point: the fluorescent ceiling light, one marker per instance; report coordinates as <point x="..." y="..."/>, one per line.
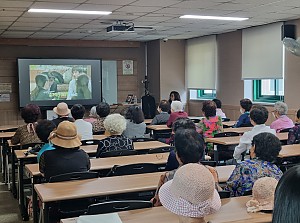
<point x="70" y="11"/>
<point x="212" y="17"/>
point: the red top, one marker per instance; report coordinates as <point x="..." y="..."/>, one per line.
<point x="174" y="116"/>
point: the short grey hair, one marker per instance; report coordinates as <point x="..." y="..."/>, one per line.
<point x="115" y="124"/>
<point x="281" y="108"/>
<point x="93" y="112"/>
<point x="176" y="106"/>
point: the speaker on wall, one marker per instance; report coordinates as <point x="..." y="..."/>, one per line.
<point x="288" y="31"/>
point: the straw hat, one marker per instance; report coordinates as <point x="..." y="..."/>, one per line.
<point x="191" y="193"/>
<point x="263" y="195"/>
<point x="65" y="135"/>
<point x="62" y="109"/>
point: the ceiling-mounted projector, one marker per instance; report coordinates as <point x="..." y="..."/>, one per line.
<point x="117" y="28"/>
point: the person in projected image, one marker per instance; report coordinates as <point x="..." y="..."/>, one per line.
<point x="72" y="92"/>
<point x="83" y="90"/>
<point x="74" y="83"/>
<point x="52" y="84"/>
<point x="40" y="93"/>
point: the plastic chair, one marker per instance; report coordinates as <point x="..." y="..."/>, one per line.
<point x="209" y="163"/>
<point x="224" y="152"/>
<point x="225" y="119"/>
<point x="73" y="176"/>
<point x="116" y="206"/>
<point x="285" y="130"/>
<point x="226" y="134"/>
<point x="99" y="133"/>
<point x="142" y="139"/>
<point x="164" y="149"/>
<point x="224" y="194"/>
<point x="90" y="142"/>
<point x="131" y="169"/>
<point x="118" y="153"/>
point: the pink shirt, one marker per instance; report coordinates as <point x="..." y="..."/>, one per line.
<point x="283" y="122"/>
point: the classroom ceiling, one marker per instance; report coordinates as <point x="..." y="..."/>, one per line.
<point x="161" y="15"/>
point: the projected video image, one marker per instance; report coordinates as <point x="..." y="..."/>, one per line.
<point x="60" y="82"/>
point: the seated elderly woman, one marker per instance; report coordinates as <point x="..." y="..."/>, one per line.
<point x="25" y="134"/>
<point x="265" y="149"/>
<point x="102" y="111"/>
<point x="114" y="124"/>
<point x="176" y="112"/>
<point x="282" y="121"/>
<point x="135" y="125"/>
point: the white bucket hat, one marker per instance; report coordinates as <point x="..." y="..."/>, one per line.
<point x="191" y="193"/>
<point x="263" y="195"/>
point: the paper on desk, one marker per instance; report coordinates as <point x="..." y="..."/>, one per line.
<point x="101" y="218"/>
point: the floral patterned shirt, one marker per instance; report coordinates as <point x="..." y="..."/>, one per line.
<point x="294" y="134"/>
<point x="246" y="173"/>
<point x="210" y="127"/>
<point x="98" y="125"/>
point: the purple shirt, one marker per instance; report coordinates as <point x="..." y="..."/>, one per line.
<point x="283" y="122"/>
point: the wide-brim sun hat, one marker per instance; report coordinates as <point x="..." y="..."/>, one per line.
<point x="65" y="135"/>
<point x="62" y="109"/>
<point x="191" y="193"/>
<point x="262" y="195"/>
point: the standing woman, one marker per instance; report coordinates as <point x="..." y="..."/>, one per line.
<point x="174" y="96"/>
<point x="135" y="125"/>
<point x="26" y="134"/>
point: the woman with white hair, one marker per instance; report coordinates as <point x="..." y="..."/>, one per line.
<point x="114" y="124"/>
<point x="282" y="121"/>
<point x="92" y="116"/>
<point x="176" y="112"/>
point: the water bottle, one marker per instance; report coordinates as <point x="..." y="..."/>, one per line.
<point x="135" y="99"/>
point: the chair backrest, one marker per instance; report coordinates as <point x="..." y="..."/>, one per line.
<point x="90" y="142"/>
<point x="142" y="139"/>
<point x="285" y="130"/>
<point x="73" y="176"/>
<point x="224" y="194"/>
<point x="195" y="120"/>
<point x="116" y="206"/>
<point x="225" y="119"/>
<point x="99" y="133"/>
<point x="130" y="169"/>
<point x="247" y="193"/>
<point x="209" y="163"/>
<point x="226" y="134"/>
<point x="164" y="149"/>
<point x="124" y="152"/>
<point x="32" y="145"/>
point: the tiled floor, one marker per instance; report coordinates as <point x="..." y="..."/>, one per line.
<point x="9" y="211"/>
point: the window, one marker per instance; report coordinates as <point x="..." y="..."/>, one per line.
<point x="201" y="94"/>
<point x="269" y="90"/>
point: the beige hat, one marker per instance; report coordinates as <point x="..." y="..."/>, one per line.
<point x="65" y="135"/>
<point x="62" y="109"/>
<point x="191" y="193"/>
<point x="263" y="195"/>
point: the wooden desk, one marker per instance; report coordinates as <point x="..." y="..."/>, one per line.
<point x="108" y="163"/>
<point x="50" y="192"/>
<point x="232" y="210"/>
<point x="289" y="151"/>
<point x="149" y="145"/>
<point x="8" y="127"/>
<point x="240" y="130"/>
<point x="158" y="127"/>
<point x="229" y="123"/>
<point x="236" y="139"/>
<point x="148" y="121"/>
<point x="6" y="135"/>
